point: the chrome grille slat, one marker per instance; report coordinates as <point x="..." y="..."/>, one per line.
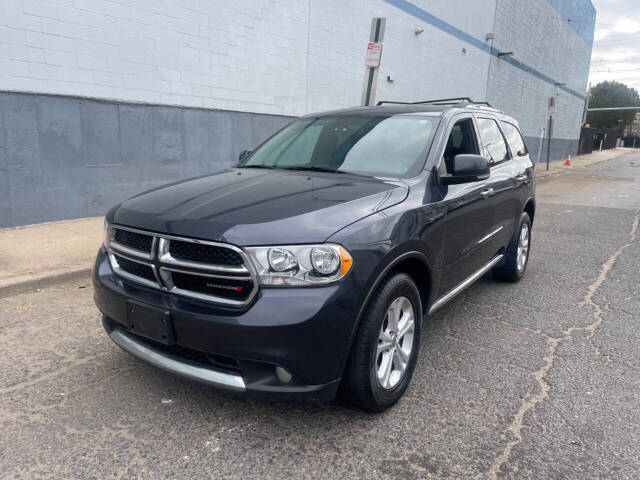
<point x="164" y="252"/>
<point x="115" y="264"/>
<point x="163" y="264"/>
<point x="133" y="240"/>
<point x="124" y="249"/>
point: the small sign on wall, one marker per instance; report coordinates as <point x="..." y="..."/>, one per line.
<point x="374" y="52"/>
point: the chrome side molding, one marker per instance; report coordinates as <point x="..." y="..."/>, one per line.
<point x="465" y="284"/>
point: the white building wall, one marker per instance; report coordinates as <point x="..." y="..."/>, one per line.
<point x="213" y="77"/>
<point x="290" y="57"/>
<point x="434" y="64"/>
<point x="240" y="55"/>
<point x="543" y="40"/>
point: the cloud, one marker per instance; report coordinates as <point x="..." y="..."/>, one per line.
<point x="616" y="46"/>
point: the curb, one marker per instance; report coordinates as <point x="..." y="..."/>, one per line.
<point x="32" y="282"/>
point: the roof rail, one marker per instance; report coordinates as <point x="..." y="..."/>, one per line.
<point x="441" y="101"/>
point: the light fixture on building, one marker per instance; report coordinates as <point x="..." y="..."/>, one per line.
<point x="418" y="31"/>
<point x="504" y="54"/>
<point x="489" y="37"/>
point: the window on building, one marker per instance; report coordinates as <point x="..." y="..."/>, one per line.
<point x="492" y="141"/>
<point x="514" y="137"/>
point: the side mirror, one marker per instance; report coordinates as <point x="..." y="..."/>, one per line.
<point x="243" y="154"/>
<point x="467" y="168"/>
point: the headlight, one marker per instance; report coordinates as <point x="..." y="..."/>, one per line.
<point x="106" y="234"/>
<point x="281" y="260"/>
<point x="325" y="260"/>
<point x="300" y="265"/>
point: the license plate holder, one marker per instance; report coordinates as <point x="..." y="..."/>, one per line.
<point x="150" y="322"/>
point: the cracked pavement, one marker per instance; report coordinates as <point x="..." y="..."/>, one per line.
<point x="540" y="379"/>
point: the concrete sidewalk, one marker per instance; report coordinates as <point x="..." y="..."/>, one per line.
<point x="38" y="255"/>
<point x="580" y="161"/>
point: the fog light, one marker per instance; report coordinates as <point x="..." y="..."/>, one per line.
<point x="283" y="375"/>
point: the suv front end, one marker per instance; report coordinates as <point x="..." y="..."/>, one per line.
<point x="223" y="315"/>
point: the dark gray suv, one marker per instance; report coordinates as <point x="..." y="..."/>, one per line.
<point x="306" y="270"/>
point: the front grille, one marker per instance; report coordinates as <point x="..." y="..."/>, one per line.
<point x="137" y="241"/>
<point x="199" y="270"/>
<point x="196" y="252"/>
<point x="235" y="289"/>
<point x="135" y="268"/>
<point x="192" y="356"/>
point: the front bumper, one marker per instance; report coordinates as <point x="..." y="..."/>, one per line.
<point x="305" y="330"/>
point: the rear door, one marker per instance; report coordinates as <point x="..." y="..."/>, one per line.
<point x="504" y="199"/>
<point x="523" y="170"/>
<point x="469" y="216"/>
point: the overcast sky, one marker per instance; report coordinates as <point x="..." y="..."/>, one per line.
<point x="616" y="46"/>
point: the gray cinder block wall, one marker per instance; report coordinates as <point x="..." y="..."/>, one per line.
<point x="66" y="157"/>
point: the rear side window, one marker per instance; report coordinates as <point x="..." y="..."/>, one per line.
<point x="492" y="141"/>
<point x="514" y="137"/>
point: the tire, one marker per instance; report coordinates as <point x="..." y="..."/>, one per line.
<point x="512" y="270"/>
<point x="361" y="385"/>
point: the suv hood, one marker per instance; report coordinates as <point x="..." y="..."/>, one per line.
<point x="246" y="206"/>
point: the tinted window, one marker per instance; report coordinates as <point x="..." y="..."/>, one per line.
<point x="367" y="145"/>
<point x="492" y="140"/>
<point x="462" y="139"/>
<point x="514" y="137"/>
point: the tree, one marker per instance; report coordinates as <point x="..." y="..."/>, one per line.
<point x="612" y="94"/>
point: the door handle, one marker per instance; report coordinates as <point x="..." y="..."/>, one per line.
<point x="486" y="192"/>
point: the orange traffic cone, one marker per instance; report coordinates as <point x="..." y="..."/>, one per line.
<point x="568" y="160"/>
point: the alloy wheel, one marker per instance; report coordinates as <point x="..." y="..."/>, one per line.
<point x="523" y="247"/>
<point x="395" y="342"/>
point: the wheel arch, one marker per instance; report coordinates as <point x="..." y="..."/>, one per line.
<point x="530" y="208"/>
<point x="412" y="262"/>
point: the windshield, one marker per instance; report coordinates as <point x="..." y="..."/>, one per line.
<point x="365" y="145"/>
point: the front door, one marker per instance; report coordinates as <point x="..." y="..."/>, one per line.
<point x="469" y="216"/>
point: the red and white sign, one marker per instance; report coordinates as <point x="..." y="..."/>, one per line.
<point x="374" y="52"/>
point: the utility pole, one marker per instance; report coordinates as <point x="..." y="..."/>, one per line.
<point x="586" y="105"/>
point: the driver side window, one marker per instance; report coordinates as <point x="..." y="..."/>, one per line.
<point x="462" y="139"/>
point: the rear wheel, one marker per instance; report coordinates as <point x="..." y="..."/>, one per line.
<point x="386" y="348"/>
<point x="517" y="256"/>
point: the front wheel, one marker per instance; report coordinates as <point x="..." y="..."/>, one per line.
<point x="385" y="350"/>
<point x="517" y="256"/>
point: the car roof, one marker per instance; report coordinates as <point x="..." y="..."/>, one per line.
<point x="391" y="109"/>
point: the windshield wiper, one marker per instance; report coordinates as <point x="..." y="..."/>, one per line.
<point x="313" y="168"/>
<point x="254" y="166"/>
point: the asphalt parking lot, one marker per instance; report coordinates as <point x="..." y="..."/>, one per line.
<point x="535" y="380"/>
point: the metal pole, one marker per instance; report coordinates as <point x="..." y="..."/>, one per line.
<point x="540" y="144"/>
<point x="604" y="109"/>
<point x="549" y="133"/>
<point x="586" y="105"/>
